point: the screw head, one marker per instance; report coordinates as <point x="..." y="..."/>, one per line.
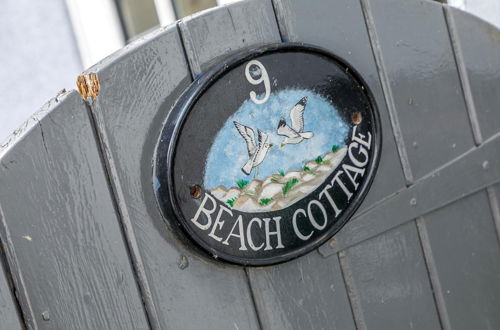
<point x="46" y="316"/>
<point x="195" y="191"/>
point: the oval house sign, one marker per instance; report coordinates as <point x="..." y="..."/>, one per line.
<point x="269" y="154"/>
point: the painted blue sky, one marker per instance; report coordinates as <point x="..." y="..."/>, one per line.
<point x="229" y="153"/>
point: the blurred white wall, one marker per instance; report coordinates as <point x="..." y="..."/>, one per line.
<point x="38" y="57"/>
<point x="489" y="10"/>
<point x="43" y="44"/>
<point x="97" y="28"/>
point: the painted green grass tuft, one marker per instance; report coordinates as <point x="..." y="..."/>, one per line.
<point x="308" y="170"/>
<point x="242" y="183"/>
<point x="281" y="172"/>
<point x="265" y="201"/>
<point x="231" y="201"/>
<point x="275" y="180"/>
<point x="289" y="185"/>
<point x="335" y="148"/>
<point x="319" y="160"/>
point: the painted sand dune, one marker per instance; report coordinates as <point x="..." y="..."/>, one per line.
<point x="281" y="190"/>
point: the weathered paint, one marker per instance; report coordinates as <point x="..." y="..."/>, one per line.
<point x="8" y="304"/>
<point x="466" y="254"/>
<point x="390" y="279"/>
<point x="117" y="264"/>
<point x="64" y="243"/>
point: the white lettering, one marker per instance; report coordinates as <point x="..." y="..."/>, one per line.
<point x="296" y="228"/>
<point x="277" y="232"/>
<point x="249" y="234"/>
<point x="362" y="150"/>
<point x="205" y="211"/>
<point x="363" y="142"/>
<point x="330" y="199"/>
<point x="264" y="78"/>
<point x="311" y="216"/>
<point x="357" y="171"/>
<point x="342" y="185"/>
<point x="218" y="223"/>
<point x="241" y="232"/>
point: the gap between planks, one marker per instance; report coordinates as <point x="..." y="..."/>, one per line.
<point x="252" y="297"/>
<point x="9" y="278"/>
<point x="352" y="291"/>
<point x="22" y="297"/>
<point x="386" y="87"/>
<point x="116" y="192"/>
<point x="447" y="183"/>
<point x="495" y="209"/>
<point x="189" y="50"/>
<point x="433" y="273"/>
<point x="194" y="68"/>
<point x="462" y="74"/>
<point x="278" y="11"/>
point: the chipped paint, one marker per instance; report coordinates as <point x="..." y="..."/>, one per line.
<point x="88" y="85"/>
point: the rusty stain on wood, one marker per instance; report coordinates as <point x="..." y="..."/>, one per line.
<point x="88" y="85"/>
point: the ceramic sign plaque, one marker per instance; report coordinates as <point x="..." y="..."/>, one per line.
<point x="268" y="154"/>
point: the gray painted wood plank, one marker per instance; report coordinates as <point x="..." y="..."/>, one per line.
<point x="479" y="44"/>
<point x="390" y="275"/>
<point x="9" y="315"/>
<point x="473" y="171"/>
<point x="464" y="78"/>
<point x="218" y="294"/>
<point x="494" y="197"/>
<point x="220" y="31"/>
<point x="433" y="273"/>
<point x="65" y="246"/>
<point x="305" y="293"/>
<point x="467" y="257"/>
<point x="424" y="80"/>
<point x="339" y="27"/>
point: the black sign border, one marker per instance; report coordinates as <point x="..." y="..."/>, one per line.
<point x="164" y="154"/>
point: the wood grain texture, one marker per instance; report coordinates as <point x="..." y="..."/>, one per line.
<point x="214" y="33"/>
<point x="298" y="294"/>
<point x="391" y="279"/>
<point x="64" y="243"/>
<point x="433" y="273"/>
<point x="339" y="27"/>
<point x="473" y="171"/>
<point x="423" y="76"/>
<point x="494" y="197"/>
<point x="464" y="77"/>
<point x="467" y="257"/>
<point x="9" y="315"/>
<point x="305" y="293"/>
<point x="479" y="45"/>
<point x="139" y="87"/>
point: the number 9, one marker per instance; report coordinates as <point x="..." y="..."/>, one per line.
<point x="264" y="77"/>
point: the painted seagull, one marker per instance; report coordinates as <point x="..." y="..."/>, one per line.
<point x="295" y="134"/>
<point x="256" y="151"/>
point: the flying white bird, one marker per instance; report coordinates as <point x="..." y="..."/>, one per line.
<point x="256" y="151"/>
<point x="295" y="134"/>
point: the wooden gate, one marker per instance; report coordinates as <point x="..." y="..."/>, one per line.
<point x="86" y="247"/>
